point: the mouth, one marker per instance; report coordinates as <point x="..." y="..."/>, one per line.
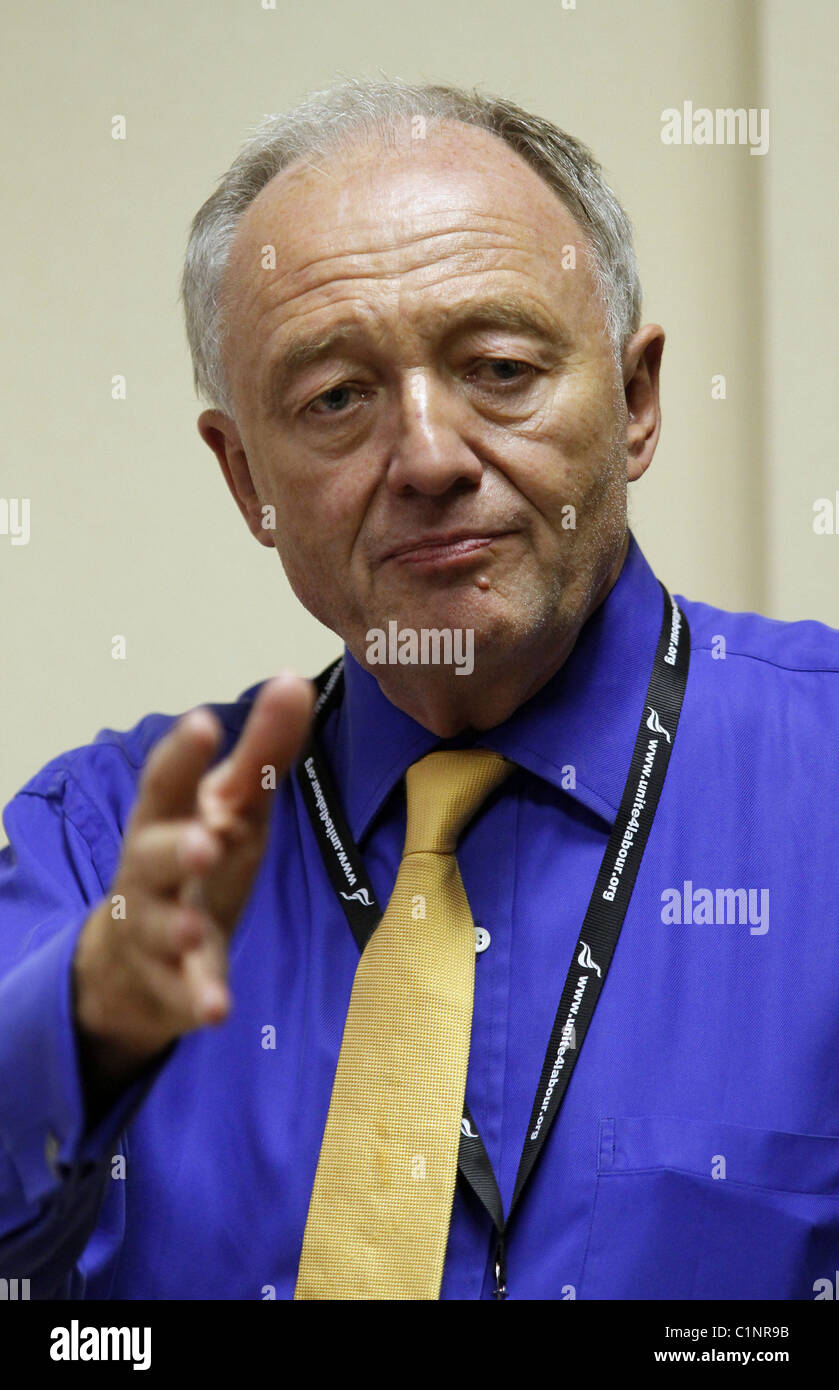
<point x="444" y="551"/>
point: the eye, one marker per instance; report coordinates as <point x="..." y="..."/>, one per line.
<point x="505" y="370"/>
<point x="334" y="401"/>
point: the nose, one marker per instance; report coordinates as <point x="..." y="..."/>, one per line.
<point x="430" y="454"/>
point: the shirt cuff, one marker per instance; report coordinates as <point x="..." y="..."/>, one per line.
<point x="42" y="1110"/>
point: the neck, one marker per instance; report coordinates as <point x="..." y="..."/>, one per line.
<point x="435" y="696"/>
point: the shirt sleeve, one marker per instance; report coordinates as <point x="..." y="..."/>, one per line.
<point x="61" y="857"/>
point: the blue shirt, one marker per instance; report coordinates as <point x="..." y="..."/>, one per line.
<point x="696" y="1153"/>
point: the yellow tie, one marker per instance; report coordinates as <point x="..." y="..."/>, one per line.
<point x="381" y="1204"/>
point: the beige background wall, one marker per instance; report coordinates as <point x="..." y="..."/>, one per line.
<point x="132" y="529"/>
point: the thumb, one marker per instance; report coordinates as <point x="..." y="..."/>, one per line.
<point x="272" y="737"/>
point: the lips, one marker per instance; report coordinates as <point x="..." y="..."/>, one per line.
<point x="452" y="546"/>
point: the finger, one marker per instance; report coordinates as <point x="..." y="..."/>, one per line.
<point x="162" y="856"/>
<point x="184" y="996"/>
<point x="271" y="739"/>
<point x="169" y="929"/>
<point x="209" y="992"/>
<point x="204" y="966"/>
<point x="175" y="767"/>
<point x="194" y="982"/>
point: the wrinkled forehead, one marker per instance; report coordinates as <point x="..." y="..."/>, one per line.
<point x="455" y="189"/>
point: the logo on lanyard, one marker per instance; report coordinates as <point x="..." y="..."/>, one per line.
<point x="359" y="896"/>
<point x="654" y="724"/>
<point x="584" y="959"/>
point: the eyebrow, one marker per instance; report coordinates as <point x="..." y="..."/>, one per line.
<point x="509" y="314"/>
<point x="513" y="315"/>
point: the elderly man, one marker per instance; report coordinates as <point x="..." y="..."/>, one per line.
<point x="514" y="976"/>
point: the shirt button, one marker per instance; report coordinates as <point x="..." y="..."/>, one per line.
<point x="482" y="939"/>
<point x="51" y="1148"/>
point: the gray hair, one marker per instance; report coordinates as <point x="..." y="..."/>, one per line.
<point x="327" y="122"/>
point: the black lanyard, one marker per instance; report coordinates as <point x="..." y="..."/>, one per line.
<point x="601" y="924"/>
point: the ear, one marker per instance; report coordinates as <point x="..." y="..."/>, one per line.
<point x="641" y="365"/>
<point x="220" y="434"/>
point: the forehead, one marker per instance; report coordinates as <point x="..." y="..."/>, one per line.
<point x="387" y="219"/>
<point x="452" y="159"/>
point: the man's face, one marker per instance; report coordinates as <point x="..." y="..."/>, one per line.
<point x="425" y="392"/>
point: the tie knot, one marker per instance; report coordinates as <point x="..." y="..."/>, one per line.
<point x="444" y="790"/>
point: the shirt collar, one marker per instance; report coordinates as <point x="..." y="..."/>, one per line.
<point x="584" y="718"/>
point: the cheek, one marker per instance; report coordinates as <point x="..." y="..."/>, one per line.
<point x="311" y="502"/>
<point x="317" y="519"/>
<point x="310" y="570"/>
<point x="584" y="417"/>
<point x="579" y="439"/>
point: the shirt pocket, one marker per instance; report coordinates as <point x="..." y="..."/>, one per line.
<point x="693" y="1209"/>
